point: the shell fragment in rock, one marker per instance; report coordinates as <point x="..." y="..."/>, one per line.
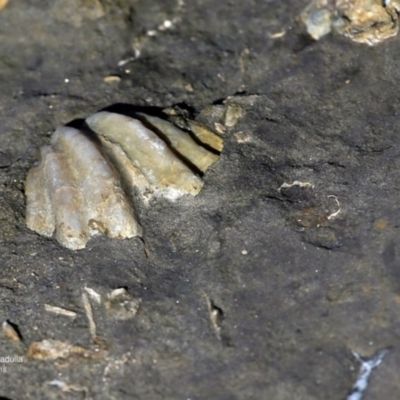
<point x="86" y="180"/>
<point x="363" y="21"/>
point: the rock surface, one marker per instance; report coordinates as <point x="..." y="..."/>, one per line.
<point x="251" y="289"/>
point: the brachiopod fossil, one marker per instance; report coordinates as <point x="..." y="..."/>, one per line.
<point x="85" y="181"/>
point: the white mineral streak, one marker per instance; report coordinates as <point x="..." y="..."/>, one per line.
<point x="366" y="368"/>
<point x="85" y="182"/>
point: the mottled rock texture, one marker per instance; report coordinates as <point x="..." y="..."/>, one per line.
<point x="244" y="291"/>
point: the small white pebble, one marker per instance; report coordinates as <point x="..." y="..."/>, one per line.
<point x="167" y="24"/>
<point x="244" y="252"/>
<point x="66" y="80"/>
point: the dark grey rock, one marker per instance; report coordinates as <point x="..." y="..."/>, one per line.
<point x="292" y="299"/>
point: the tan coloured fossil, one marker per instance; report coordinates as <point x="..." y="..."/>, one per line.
<point x="363" y="21"/>
<point x="85" y="181"/>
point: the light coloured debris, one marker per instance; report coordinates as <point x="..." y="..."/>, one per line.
<point x="232" y="114"/>
<point x="117" y="293"/>
<point x="215" y="112"/>
<point x="242" y="137"/>
<point x="3" y="3"/>
<point x="367" y="365"/>
<point x="86" y="181"/>
<point x="247" y="101"/>
<point x="364" y="21"/>
<point x="296" y="183"/>
<point x="206" y="136"/>
<point x="219" y="128"/>
<point x="277" y="35"/>
<point x="215" y="315"/>
<point x="336" y="213"/>
<point x="112" y="79"/>
<point x="64" y="387"/>
<point x="189" y="87"/>
<point x="11" y="331"/>
<point x="60" y="311"/>
<point x="93" y="294"/>
<point x="115" y="365"/>
<point x="125" y="61"/>
<point x="223" y="117"/>
<point x="89" y="314"/>
<point x="120" y="305"/>
<point x="50" y="349"/>
<point x="319" y="23"/>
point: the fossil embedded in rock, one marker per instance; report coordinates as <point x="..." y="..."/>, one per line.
<point x="364" y="21"/>
<point x="86" y="180"/>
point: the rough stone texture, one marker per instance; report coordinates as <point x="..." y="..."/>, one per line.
<point x="246" y="291"/>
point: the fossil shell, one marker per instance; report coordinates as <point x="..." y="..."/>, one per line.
<point x="363" y="21"/>
<point x="86" y="180"/>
